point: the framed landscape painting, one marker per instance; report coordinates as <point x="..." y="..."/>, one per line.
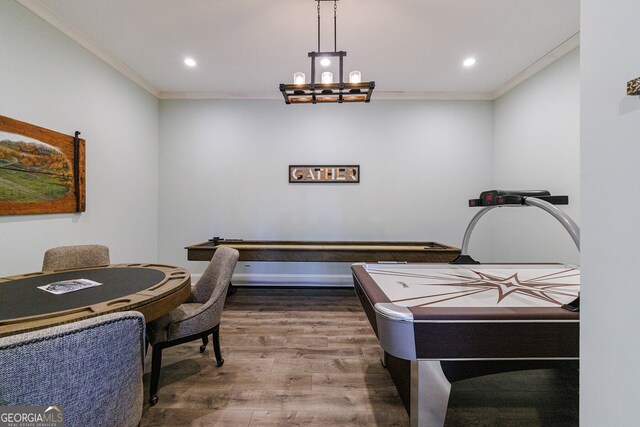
<point x="41" y="171"/>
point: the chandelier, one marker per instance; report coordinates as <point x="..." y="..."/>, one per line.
<point x="327" y="91"/>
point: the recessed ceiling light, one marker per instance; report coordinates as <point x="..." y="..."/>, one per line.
<point x="325" y="62"/>
<point x="189" y="62"/>
<point x="469" y="62"/>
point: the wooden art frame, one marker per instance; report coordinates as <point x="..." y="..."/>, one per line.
<point x="324" y="174"/>
<point x="41" y="171"/>
<point x="633" y="87"/>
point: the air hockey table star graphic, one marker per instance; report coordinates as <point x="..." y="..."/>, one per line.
<point x="548" y="287"/>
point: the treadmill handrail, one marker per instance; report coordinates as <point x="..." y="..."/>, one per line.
<point x="572" y="228"/>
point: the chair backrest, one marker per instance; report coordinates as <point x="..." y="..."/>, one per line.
<point x="217" y="276"/>
<point x="78" y="256"/>
<point x="91" y="369"/>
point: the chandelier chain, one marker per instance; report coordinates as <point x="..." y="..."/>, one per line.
<point x="335" y="20"/>
<point x="335" y="26"/>
<point x="318" y="25"/>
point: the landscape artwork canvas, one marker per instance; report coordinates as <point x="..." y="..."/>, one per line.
<point x="41" y="171"/>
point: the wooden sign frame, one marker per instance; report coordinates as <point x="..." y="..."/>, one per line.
<point x="41" y="171"/>
<point x="324" y="174"/>
<point x="633" y="87"/>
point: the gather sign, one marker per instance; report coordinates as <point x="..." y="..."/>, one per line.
<point x="333" y="174"/>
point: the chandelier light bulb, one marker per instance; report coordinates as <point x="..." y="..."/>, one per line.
<point x="327" y="77"/>
<point x="298" y="78"/>
<point x="355" y="77"/>
<point x="325" y="62"/>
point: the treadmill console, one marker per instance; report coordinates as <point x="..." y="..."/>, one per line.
<point x="515" y="197"/>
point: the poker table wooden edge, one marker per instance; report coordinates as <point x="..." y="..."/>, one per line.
<point x="152" y="302"/>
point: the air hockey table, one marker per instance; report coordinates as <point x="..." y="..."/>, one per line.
<point x="428" y="314"/>
<point x="439" y="323"/>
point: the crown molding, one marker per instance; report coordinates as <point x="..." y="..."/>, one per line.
<point x="432" y="96"/>
<point x="221" y="95"/>
<point x="377" y="96"/>
<point x="54" y="20"/>
<point x="550" y="57"/>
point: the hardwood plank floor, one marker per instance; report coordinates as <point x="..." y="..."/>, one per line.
<point x="308" y="357"/>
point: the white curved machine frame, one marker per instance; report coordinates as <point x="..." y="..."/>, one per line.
<point x="523" y="199"/>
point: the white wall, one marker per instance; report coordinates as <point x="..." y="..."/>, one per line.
<point x="610" y="147"/>
<point x="537" y="146"/>
<point x="224" y="172"/>
<point x="421" y="161"/>
<point x="48" y="80"/>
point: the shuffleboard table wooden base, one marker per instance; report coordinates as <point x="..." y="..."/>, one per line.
<point x="326" y="251"/>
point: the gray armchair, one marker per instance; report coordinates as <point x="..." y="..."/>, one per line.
<point x="91" y="369"/>
<point x="197" y="318"/>
<point x="78" y="256"/>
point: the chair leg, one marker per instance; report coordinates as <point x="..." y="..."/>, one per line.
<point x="205" y="341"/>
<point x="156" y="363"/>
<point x="231" y="289"/>
<point x="216" y="346"/>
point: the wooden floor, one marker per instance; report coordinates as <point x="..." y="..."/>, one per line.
<point x="308" y="357"/>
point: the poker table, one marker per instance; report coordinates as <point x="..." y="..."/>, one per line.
<point x="326" y="251"/>
<point x="438" y="323"/>
<point x="151" y="289"/>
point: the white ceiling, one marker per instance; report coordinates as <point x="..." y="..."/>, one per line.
<point x="245" y="48"/>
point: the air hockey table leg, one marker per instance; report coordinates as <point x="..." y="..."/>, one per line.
<point x="383" y="357"/>
<point x="429" y="394"/>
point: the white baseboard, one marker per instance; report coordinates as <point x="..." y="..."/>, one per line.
<point x="337" y="280"/>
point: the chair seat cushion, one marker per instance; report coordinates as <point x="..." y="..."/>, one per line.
<point x="158" y="330"/>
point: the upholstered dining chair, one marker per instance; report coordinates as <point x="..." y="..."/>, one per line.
<point x="78" y="256"/>
<point x="197" y="318"/>
<point x="91" y="370"/>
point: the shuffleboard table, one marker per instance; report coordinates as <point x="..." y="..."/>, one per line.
<point x="439" y="323"/>
<point x="326" y="251"/>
